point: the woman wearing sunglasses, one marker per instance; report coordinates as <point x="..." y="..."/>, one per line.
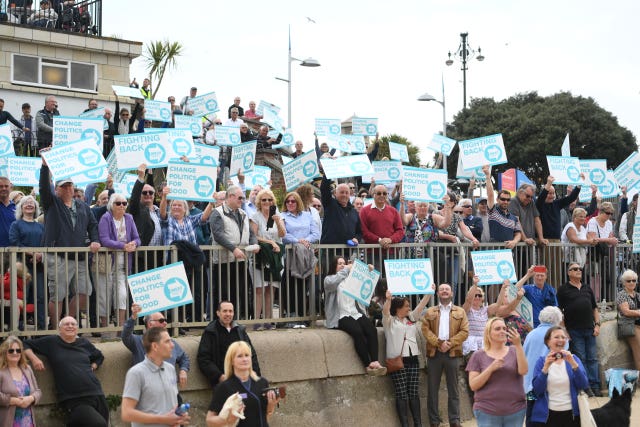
<point x="117" y="230"/>
<point x="19" y="390"/>
<point x="478" y="313"/>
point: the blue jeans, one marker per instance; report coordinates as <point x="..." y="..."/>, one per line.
<point x="487" y="420"/>
<point x="583" y="345"/>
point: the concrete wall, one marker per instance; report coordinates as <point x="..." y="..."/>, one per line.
<point x="326" y="383"/>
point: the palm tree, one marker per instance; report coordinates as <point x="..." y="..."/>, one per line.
<point x="160" y="56"/>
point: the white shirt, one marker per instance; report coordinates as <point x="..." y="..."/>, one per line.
<point x="443" y="329"/>
<point x="558" y="387"/>
<point x="232" y="123"/>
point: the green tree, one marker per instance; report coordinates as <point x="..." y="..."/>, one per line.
<point x="534" y="127"/>
<point x="414" y="159"/>
<point x="161" y="56"/>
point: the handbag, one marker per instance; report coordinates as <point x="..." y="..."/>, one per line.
<point x="602" y="249"/>
<point x="627" y="325"/>
<point x="586" y="418"/>
<point x="394" y="364"/>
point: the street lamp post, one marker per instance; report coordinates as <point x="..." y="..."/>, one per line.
<point x="428" y="97"/>
<point x="465" y="53"/>
<point x="309" y="62"/>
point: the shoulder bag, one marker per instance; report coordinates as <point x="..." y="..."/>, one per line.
<point x="394" y="364"/>
<point x="627" y="325"/>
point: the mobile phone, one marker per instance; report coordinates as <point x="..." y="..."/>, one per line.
<point x="272" y="212"/>
<point x="539" y="269"/>
<point x="279" y="138"/>
<point x="281" y="392"/>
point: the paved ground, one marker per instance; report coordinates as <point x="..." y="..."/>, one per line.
<point x="596" y="402"/>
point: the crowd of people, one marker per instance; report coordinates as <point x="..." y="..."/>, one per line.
<point x="486" y="334"/>
<point x="64" y="15"/>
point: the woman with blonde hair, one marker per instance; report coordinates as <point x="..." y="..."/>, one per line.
<point x="628" y="302"/>
<point x="498" y="370"/>
<point x="600" y="229"/>
<point x="19" y="391"/>
<point x="267" y="276"/>
<point x="258" y="403"/>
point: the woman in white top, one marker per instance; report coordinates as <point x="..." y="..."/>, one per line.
<point x="477" y="313"/>
<point x="401" y="334"/>
<point x="600" y="230"/>
<point x="557" y="379"/>
<point x="575" y="232"/>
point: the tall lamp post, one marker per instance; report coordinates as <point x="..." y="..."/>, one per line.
<point x="465" y="53"/>
<point x="428" y="97"/>
<point x="309" y="62"/>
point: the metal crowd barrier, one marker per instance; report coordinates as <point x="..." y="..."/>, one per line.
<point x="292" y="302"/>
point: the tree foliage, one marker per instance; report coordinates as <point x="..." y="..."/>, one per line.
<point x="161" y="56"/>
<point x="414" y="157"/>
<point x="534" y="127"/>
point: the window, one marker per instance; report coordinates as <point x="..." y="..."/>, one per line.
<point x="54" y="73"/>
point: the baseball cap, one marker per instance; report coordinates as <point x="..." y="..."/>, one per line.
<point x="482" y="199"/>
<point x="194" y="88"/>
<point x="63" y="182"/>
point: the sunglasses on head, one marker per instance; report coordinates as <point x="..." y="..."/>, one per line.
<point x="14" y="350"/>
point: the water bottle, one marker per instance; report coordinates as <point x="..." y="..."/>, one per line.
<point x="182" y="409"/>
<point x="603" y="308"/>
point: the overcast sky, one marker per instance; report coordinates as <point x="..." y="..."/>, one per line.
<point x="378" y="56"/>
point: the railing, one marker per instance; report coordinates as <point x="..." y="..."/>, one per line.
<point x="293" y="301"/>
<point x="84" y="17"/>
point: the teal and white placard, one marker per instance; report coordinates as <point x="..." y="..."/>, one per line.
<point x="243" y="157"/>
<point x="300" y="170"/>
<point x="360" y="283"/>
<point x="24" y="171"/>
<point x="494" y="267"/>
<point x="180" y="143"/>
<point x="594" y="170"/>
<point x="398" y="152"/>
<point x="75" y="158"/>
<point x="159" y="111"/>
<point x="327" y="127"/>
<point x="442" y="144"/>
<point x="202" y="105"/>
<point x="134" y="149"/>
<point x="207" y="154"/>
<point x="565" y="170"/>
<point x="160" y="289"/>
<point x="475" y="173"/>
<point x="424" y="185"/>
<point x="347" y="166"/>
<point x="69" y="129"/>
<point x="227" y="136"/>
<point x="364" y="126"/>
<point x="264" y="104"/>
<point x="385" y="171"/>
<point x="610" y="187"/>
<point x="524" y="307"/>
<point x="131" y="92"/>
<point x="6" y="141"/>
<point x="191" y="181"/>
<point x="486" y="150"/>
<point x="409" y="276"/>
<point x="628" y="173"/>
<point x="194" y="124"/>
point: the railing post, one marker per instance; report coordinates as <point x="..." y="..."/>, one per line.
<point x="13" y="284"/>
<point x="175" y="324"/>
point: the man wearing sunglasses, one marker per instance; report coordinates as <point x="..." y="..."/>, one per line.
<point x="503" y="225"/>
<point x="135" y="345"/>
<point x="525" y="209"/>
<point x="381" y="222"/>
<point x="582" y="320"/>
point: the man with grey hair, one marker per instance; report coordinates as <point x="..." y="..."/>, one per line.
<point x="230" y="229"/>
<point x="474" y="223"/>
<point x="44" y="122"/>
<point x="523" y="207"/>
<point x="534" y="348"/>
<point x="234" y="120"/>
<point x="264" y="140"/>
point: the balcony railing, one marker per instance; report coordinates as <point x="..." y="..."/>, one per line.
<point x="293" y="301"/>
<point x="83" y="17"/>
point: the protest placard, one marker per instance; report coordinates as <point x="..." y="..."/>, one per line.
<point x="326" y="127"/>
<point x="486" y="150"/>
<point x="398" y="152"/>
<point x="96" y="175"/>
<point x="628" y="172"/>
<point x="112" y="166"/>
<point x="6" y="141"/>
<point x="207" y="154"/>
<point x="300" y="170"/>
<point x="424" y="185"/>
<point x="287" y="138"/>
<point x="610" y="187"/>
<point x="4" y="161"/>
<point x="636" y="238"/>
<point x="260" y="175"/>
<point x="565" y="170"/>
<point x="336" y="142"/>
<point x="180" y="143"/>
<point x="524" y="307"/>
<point x="475" y="173"/>
<point x="160" y="289"/>
<point x="360" y="283"/>
<point x="131" y="92"/>
<point x="194" y="124"/>
<point x="594" y="170"/>
<point x="227" y="135"/>
<point x="385" y="171"/>
<point x="347" y="166"/>
<point x="157" y="110"/>
<point x="270" y="116"/>
<point x="494" y="267"/>
<point x="243" y="157"/>
<point x="364" y="126"/>
<point x="96" y="113"/>
<point x="202" y="105"/>
<point x="75" y="158"/>
<point x="125" y="187"/>
<point x="352" y="143"/>
<point x="134" y="149"/>
<point x="409" y="276"/>
<point x="442" y="144"/>
<point x="69" y="129"/>
<point x="264" y="104"/>
<point x="24" y="170"/>
<point x="191" y="181"/>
